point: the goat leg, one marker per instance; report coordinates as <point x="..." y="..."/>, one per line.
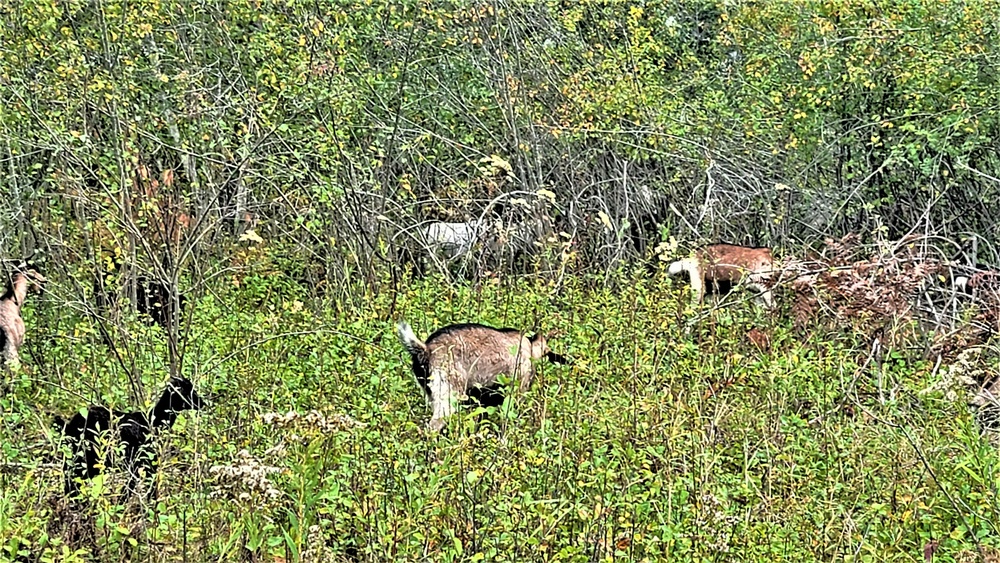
<point x="10" y="358"/>
<point x="443" y="398"/>
<point x="758" y="282"/>
<point x="697" y="283"/>
<point x="141" y="474"/>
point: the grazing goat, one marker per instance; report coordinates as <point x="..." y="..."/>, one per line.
<point x="11" y="323"/>
<point x="153" y="298"/>
<point x="461" y="360"/>
<point x="978" y="282"/>
<point x="719" y="267"/>
<point x="490" y="239"/>
<point x="99" y="429"/>
<point x="454" y="240"/>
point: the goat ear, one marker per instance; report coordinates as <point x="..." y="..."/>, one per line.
<point x="34" y="273"/>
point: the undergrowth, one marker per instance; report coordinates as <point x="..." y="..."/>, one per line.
<point x="732" y="436"/>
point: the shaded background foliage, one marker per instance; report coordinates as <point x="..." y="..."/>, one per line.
<point x="292" y="150"/>
<point x="338" y="124"/>
<point x="146" y="137"/>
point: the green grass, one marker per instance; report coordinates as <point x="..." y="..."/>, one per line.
<point x="667" y="439"/>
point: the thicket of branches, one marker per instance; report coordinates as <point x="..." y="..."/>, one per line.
<point x="150" y="137"/>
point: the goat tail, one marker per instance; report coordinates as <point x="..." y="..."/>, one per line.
<point x="413" y="345"/>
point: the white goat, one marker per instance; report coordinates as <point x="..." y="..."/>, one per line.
<point x="453" y="239"/>
<point x="460" y="359"/>
<point x="11" y="323"/>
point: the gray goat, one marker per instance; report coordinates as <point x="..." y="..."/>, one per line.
<point x="461" y="360"/>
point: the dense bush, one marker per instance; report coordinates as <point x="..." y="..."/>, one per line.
<point x="664" y="440"/>
<point x="271" y="164"/>
<point x="336" y="126"/>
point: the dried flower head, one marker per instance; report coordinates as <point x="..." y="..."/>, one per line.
<point x="245" y="478"/>
<point x="312" y="420"/>
<point x="960" y="377"/>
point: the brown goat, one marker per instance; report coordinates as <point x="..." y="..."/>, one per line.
<point x="461" y="360"/>
<point x="11" y="324"/>
<point x="719" y="267"/>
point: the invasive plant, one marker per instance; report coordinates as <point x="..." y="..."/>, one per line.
<point x="881" y="285"/>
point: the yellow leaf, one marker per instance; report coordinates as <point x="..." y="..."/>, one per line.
<point x="251" y="236"/>
<point x="498" y="163"/>
<point x="605" y="220"/>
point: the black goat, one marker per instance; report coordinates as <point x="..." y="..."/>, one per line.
<point x="153" y="297"/>
<point x="90" y="432"/>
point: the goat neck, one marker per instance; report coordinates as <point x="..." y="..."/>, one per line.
<point x="21" y="282"/>
<point x="178" y="396"/>
<point x="539" y="346"/>
<point x="163" y="414"/>
<point x="18" y="290"/>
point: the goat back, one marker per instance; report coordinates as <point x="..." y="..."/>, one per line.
<point x="730" y="262"/>
<point x="87" y="426"/>
<point x="474" y="354"/>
